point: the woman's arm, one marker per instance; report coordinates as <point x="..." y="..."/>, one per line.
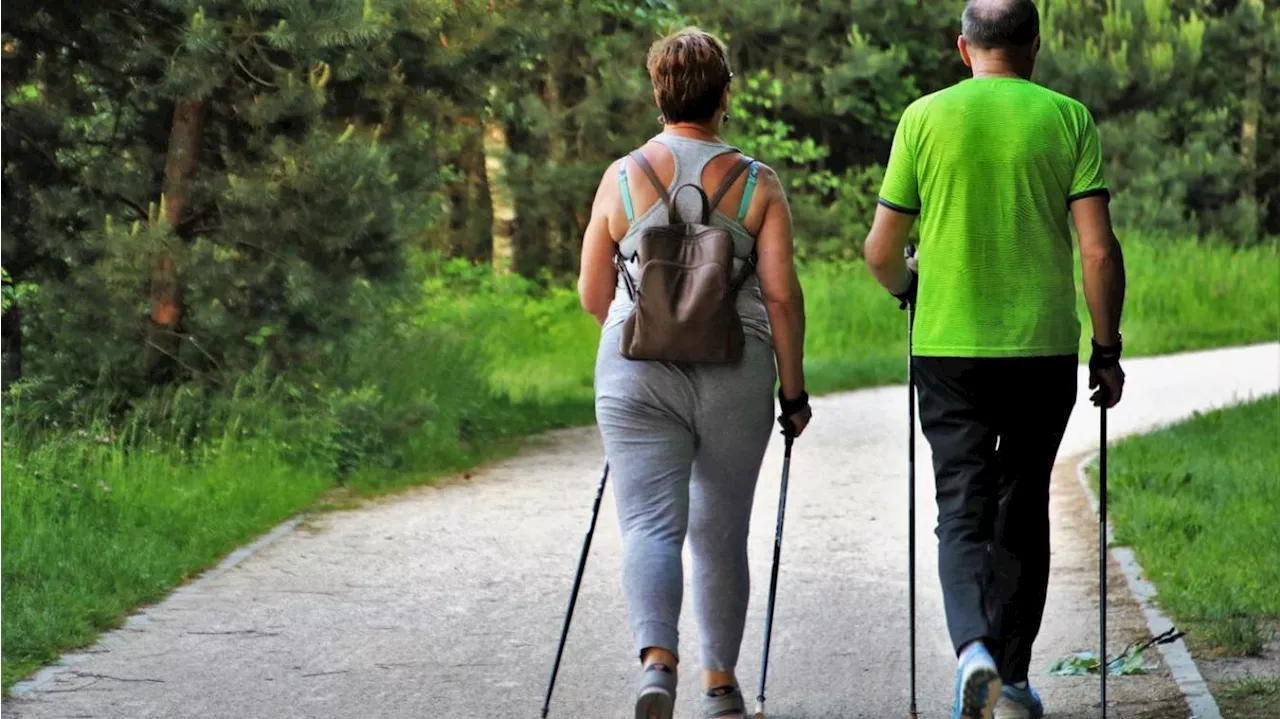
<point x="597" y="276"/>
<point x="784" y="300"/>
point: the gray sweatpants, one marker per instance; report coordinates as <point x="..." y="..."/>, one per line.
<point x="684" y="445"/>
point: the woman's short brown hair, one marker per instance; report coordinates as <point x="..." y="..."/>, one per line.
<point x="690" y="71"/>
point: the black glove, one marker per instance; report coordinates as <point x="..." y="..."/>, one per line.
<point x="791" y="407"/>
<point x="907" y="298"/>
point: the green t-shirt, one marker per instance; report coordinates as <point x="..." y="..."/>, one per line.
<point x="991" y="165"/>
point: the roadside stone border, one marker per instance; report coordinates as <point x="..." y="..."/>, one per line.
<point x="135" y="621"/>
<point x="1175" y="654"/>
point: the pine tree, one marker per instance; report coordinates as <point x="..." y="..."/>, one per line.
<point x="208" y="183"/>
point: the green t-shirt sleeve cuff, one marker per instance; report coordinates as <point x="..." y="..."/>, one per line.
<point x="898" y="208"/>
<point x="1092" y="192"/>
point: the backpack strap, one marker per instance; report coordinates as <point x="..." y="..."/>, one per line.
<point x="748" y="266"/>
<point x="620" y="263"/>
<point x="744" y="162"/>
<point x="640" y="160"/>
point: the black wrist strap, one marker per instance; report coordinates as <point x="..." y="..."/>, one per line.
<point x="1105" y="356"/>
<point x="791" y="406"/>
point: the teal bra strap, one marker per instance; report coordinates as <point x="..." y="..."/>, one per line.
<point x="747" y="192"/>
<point x="626" y="192"/>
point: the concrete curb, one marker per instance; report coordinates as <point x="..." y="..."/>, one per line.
<point x="68" y="662"/>
<point x="1176" y="656"/>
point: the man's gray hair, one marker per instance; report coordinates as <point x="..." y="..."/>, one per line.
<point x="1000" y="24"/>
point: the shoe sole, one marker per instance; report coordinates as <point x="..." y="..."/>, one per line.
<point x="1009" y="709"/>
<point x="655" y="704"/>
<point x="1013" y="710"/>
<point x="981" y="692"/>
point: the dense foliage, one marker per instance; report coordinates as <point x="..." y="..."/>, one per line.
<point x="197" y="192"/>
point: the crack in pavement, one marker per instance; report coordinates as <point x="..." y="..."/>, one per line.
<point x="126" y="680"/>
<point x="235" y="633"/>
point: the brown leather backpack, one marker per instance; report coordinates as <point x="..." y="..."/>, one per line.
<point x="684" y="306"/>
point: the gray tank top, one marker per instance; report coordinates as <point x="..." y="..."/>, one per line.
<point x="691" y="157"/>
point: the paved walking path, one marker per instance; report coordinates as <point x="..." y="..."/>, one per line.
<point x="446" y="602"/>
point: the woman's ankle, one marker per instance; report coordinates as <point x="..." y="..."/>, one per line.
<point x="714" y="680"/>
<point x="657" y="655"/>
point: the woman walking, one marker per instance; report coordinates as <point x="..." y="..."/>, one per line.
<point x="686" y="441"/>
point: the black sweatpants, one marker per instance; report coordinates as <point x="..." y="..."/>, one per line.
<point x="995" y="426"/>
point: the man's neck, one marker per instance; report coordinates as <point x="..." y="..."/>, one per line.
<point x="1001" y="64"/>
<point x="999" y="70"/>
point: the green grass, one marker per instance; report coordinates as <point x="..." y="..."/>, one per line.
<point x="1188" y="295"/>
<point x="1182" y="295"/>
<point x="90" y="533"/>
<point x="443" y="386"/>
<point x="1250" y="698"/>
<point x="1197" y="502"/>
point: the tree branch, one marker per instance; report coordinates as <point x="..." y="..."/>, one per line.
<point x="142" y="212"/>
<point x="251" y="76"/>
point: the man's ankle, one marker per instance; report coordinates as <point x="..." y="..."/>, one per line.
<point x="970" y="647"/>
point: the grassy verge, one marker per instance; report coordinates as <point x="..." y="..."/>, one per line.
<point x="1249" y="698"/>
<point x="1182" y="295"/>
<point x="90" y="533"/>
<point x="1197" y="502"/>
<point x="93" y="530"/>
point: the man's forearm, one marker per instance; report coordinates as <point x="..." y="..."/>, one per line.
<point x="890" y="270"/>
<point x="1104" y="288"/>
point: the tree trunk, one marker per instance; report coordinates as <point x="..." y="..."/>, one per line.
<point x="500" y="198"/>
<point x="1252" y="107"/>
<point x="11" y="345"/>
<point x="556" y="152"/>
<point x="472" y="223"/>
<point x="480" y="226"/>
<point x="163" y="338"/>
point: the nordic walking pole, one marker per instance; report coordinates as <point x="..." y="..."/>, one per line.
<point x="1102" y="557"/>
<point x="773" y="579"/>
<point x="577" y="583"/>
<point x="911" y="494"/>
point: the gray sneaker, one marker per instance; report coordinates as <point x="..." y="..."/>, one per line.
<point x="724" y="703"/>
<point x="1019" y="703"/>
<point x="656" y="698"/>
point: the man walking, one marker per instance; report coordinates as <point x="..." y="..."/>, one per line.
<point x="992" y="167"/>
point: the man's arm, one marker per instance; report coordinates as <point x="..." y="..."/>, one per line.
<point x="885" y="250"/>
<point x="1102" y="262"/>
<point x="898" y="205"/>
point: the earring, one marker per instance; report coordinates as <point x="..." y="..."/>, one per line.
<point x="662" y="119"/>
